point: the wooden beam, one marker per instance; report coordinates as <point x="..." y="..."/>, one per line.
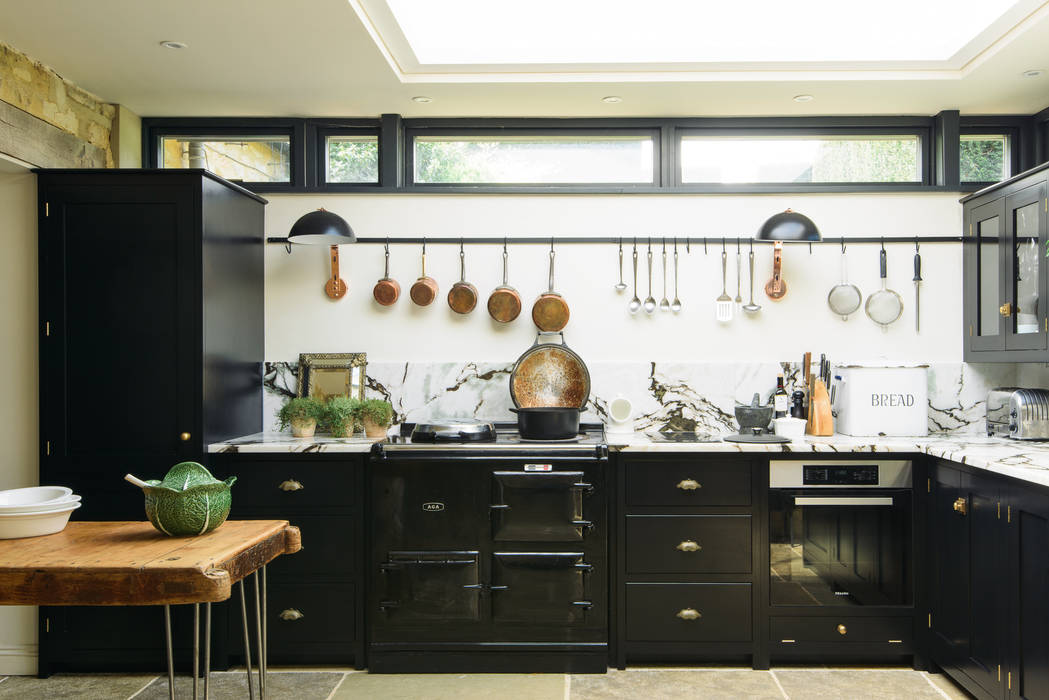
<point x="33" y="140"/>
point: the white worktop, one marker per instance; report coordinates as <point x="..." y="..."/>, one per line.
<point x="269" y="443"/>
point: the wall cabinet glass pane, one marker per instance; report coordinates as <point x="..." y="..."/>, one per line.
<point x="987" y="244"/>
<point x="241" y="158"/>
<point x="1026" y="263"/>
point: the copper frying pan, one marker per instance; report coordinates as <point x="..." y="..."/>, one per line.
<point x="387" y="290"/>
<point x="550" y="311"/>
<point x="424" y="291"/>
<point x="504" y="303"/>
<point x="462" y="297"/>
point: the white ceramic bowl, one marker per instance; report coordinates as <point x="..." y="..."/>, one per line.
<point x="16" y="525"/>
<point x="33" y="495"/>
<point x="793" y="428"/>
<point x="46" y="506"/>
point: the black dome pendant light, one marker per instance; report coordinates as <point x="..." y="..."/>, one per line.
<point x="321" y="227"/>
<point x="789" y="226"/>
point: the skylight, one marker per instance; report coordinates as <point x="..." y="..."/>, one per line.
<point x="629" y="32"/>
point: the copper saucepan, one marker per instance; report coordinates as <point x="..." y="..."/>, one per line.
<point x="387" y="290"/>
<point x="504" y="304"/>
<point x="462" y="297"/>
<point x="424" y="291"/>
<point x="550" y="311"/>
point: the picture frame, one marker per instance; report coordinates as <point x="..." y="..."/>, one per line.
<point x="326" y="374"/>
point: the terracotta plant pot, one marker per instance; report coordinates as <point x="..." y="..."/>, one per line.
<point x="347" y="429"/>
<point x="303" y="428"/>
<point x="374" y="430"/>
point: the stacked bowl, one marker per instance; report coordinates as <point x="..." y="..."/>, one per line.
<point x="35" y="511"/>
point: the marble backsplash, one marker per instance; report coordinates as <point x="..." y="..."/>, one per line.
<point x="675" y="396"/>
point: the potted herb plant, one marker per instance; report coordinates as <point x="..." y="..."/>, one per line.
<point x="342" y="416"/>
<point x="377" y="416"/>
<point x="302" y="414"/>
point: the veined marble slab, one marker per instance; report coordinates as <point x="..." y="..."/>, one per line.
<point x="273" y="443"/>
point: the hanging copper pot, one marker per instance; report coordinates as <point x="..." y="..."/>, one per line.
<point x="462" y="297"/>
<point x="424" y="291"/>
<point x="387" y="290"/>
<point x="504" y="303"/>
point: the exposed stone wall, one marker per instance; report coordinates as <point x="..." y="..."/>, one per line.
<point x="36" y="89"/>
<point x="248" y="160"/>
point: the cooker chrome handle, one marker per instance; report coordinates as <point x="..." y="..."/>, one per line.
<point x="584" y="604"/>
<point x="688" y="614"/>
<point x="498" y="506"/>
<point x="688" y="546"/>
<point x="290" y="615"/>
<point x="585" y="524"/>
<point x="583" y="486"/>
<point x="689" y="485"/>
<point x="843" y="500"/>
<point x="291" y="485"/>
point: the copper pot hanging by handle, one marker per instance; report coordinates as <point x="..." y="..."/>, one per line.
<point x="550" y="375"/>
<point x="387" y="290"/>
<point x="462" y="297"/>
<point x="776" y="287"/>
<point x="335" y="287"/>
<point x="504" y="303"/>
<point x="424" y="291"/>
<point x="550" y="311"/>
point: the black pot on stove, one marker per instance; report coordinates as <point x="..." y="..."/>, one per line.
<point x="547" y="422"/>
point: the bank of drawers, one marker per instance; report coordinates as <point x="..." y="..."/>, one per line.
<point x="688" y="536"/>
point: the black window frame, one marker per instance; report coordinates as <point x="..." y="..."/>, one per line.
<point x="155" y="130"/>
<point x="317" y="133"/>
<point x="1010" y="127"/>
<point x="539" y="128"/>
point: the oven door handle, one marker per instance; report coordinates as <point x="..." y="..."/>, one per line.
<point x="843" y="500"/>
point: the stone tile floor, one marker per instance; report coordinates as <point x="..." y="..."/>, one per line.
<point x="659" y="683"/>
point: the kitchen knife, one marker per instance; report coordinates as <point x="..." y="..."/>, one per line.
<point x="917" y="288"/>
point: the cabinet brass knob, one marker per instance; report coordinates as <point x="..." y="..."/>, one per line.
<point x="290" y="615"/>
<point x="184" y="437"/>
<point x="1006" y="309"/>
<point x="689" y="614"/>
<point x="960" y="506"/>
<point x="290" y="485"/>
<point x="842" y="629"/>
<point x="688" y="546"/>
<point x="689" y="485"/>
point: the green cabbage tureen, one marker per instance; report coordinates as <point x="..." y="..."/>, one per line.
<point x="189" y="501"/>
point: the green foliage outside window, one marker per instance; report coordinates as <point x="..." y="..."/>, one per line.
<point x="983" y="159"/>
<point x="353" y="160"/>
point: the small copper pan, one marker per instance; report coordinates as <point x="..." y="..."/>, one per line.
<point x="550" y="311"/>
<point x="424" y="291"/>
<point x="462" y="297"/>
<point x="387" y="290"/>
<point x="504" y="304"/>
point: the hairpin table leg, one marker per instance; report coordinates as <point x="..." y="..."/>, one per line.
<point x="196" y="647"/>
<point x="247" y="642"/>
<point x="207" y="647"/>
<point x="258" y="637"/>
<point x="171" y="663"/>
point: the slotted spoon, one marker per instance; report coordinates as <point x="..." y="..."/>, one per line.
<point x="723" y="307"/>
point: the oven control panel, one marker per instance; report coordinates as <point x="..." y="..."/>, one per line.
<point x="840" y="475"/>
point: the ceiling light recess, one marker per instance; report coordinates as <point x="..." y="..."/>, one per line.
<point x="1033" y="73"/>
<point x="168" y="44"/>
<point x="422" y="99"/>
<point x="612" y="99"/>
<point x="803" y="98"/>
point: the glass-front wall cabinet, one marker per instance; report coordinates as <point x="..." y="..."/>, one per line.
<point x="1005" y="272"/>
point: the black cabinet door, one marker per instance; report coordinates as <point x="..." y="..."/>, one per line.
<point x="987" y="582"/>
<point x="1028" y="521"/>
<point x="119" y="292"/>
<point x="1025" y="269"/>
<point x="949" y="569"/>
<point x="984" y="277"/>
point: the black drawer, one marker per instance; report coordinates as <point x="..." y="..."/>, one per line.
<point x="700" y="544"/>
<point x="298" y="617"/>
<point x="842" y="629"/>
<point x="692" y="482"/>
<point x="291" y="484"/>
<point x="688" y="612"/>
<point x="329" y="548"/>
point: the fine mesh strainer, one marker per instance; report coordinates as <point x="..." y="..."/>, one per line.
<point x="884" y="306"/>
<point x="844" y="298"/>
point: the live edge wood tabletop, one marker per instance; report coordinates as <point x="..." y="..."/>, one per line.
<point x="131" y="563"/>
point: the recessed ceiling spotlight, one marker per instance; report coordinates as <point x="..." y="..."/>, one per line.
<point x="173" y="44"/>
<point x="422" y="99"/>
<point x="803" y="98"/>
<point x="612" y="99"/>
<point x="1033" y="73"/>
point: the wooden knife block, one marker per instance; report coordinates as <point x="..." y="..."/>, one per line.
<point x="820" y="422"/>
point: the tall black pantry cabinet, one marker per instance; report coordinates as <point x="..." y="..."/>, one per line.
<point x="151" y="342"/>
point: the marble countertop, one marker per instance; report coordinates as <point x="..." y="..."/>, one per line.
<point x="269" y="443"/>
<point x="1027" y="461"/>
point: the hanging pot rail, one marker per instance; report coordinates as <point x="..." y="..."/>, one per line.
<point x="544" y="239"/>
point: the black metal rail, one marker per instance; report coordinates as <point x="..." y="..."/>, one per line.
<point x="625" y="240"/>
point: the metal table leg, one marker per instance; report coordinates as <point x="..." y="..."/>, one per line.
<point x="171" y="663"/>
<point x="196" y="647"/>
<point x="207" y="647"/>
<point x="258" y="637"/>
<point x="265" y="622"/>
<point x="247" y="642"/>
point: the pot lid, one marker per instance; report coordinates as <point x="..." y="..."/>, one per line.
<point x="465" y="429"/>
<point x="550" y="375"/>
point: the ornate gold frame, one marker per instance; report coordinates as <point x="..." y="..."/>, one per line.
<point x="310" y="362"/>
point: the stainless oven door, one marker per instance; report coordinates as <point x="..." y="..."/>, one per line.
<point x="840" y="547"/>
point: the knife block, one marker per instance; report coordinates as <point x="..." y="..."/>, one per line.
<point x="820" y="422"/>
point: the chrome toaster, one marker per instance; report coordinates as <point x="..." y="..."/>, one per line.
<point x="1021" y="414"/>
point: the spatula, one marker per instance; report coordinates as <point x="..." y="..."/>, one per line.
<point x="724" y="302"/>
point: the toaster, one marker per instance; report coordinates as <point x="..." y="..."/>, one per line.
<point x="1021" y="414"/>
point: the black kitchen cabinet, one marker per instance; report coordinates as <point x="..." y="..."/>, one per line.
<point x="314" y="596"/>
<point x="1004" y="271"/>
<point x="988" y="581"/>
<point x="151" y="341"/>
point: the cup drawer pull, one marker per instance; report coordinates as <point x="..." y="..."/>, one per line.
<point x="842" y="630"/>
<point x="689" y="614"/>
<point x="688" y="546"/>
<point x="290" y="615"/>
<point x="290" y="485"/>
<point x="689" y="485"/>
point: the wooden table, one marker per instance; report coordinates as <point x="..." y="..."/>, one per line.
<point x="131" y="563"/>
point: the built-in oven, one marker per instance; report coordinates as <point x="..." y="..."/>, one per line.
<point x="840" y="533"/>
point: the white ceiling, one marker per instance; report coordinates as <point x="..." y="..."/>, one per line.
<point x="317" y="58"/>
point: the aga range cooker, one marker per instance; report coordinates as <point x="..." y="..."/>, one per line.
<point x="488" y="552"/>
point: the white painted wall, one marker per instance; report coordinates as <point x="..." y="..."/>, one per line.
<point x="18" y="352"/>
<point x="300" y="318"/>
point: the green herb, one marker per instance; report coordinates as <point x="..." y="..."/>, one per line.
<point x="303" y="408"/>
<point x="377" y="411"/>
<point x="342" y="415"/>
